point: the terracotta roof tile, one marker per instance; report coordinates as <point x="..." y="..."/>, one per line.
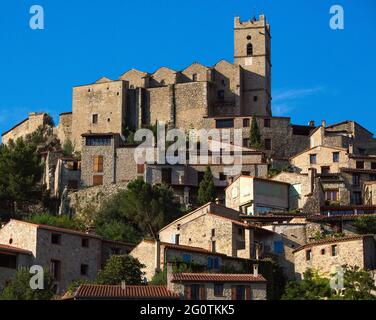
<point x="93" y="291"/>
<point x="217" y="277"/>
<point x="7" y="248"/>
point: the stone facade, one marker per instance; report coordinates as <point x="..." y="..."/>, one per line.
<point x="324" y="254"/>
<point x="69" y="255"/>
<point x="64" y="129"/>
<point x="25" y="127"/>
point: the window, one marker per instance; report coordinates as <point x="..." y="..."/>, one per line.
<point x="356" y="179"/>
<point x="166" y="175"/>
<point x="97" y="180"/>
<point x="221" y="95"/>
<point x="240" y="231"/>
<point x="322" y="251"/>
<point x="94" y="119"/>
<point x="372" y="177"/>
<point x="55" y="238"/>
<point x="187" y="258"/>
<point x="325" y="170"/>
<point x="194" y="77"/>
<point x="373" y="165"/>
<point x="240" y="293"/>
<point x="85" y="242"/>
<point x="163" y="82"/>
<point x="331" y="195"/>
<point x="177" y="238"/>
<point x="334" y="250"/>
<point x="278" y="246"/>
<point x="216" y="263"/>
<point x="84" y="269"/>
<point x="210" y="263"/>
<point x="98" y="164"/>
<point x="268" y="144"/>
<point x="222" y="176"/>
<point x="213" y="232"/>
<point x="140" y="168"/>
<point x="312" y="158"/>
<point x="246" y="123"/>
<point x="267" y="123"/>
<point x="98" y="141"/>
<point x="224" y="123"/>
<point x="200" y="176"/>
<point x="308" y="255"/>
<point x="195" y="292"/>
<point x="255" y="98"/>
<point x="218" y="289"/>
<point x="335" y="156"/>
<point x="8" y="261"/>
<point x="213" y="246"/>
<point x="56" y="269"/>
<point x="115" y="251"/>
<point x="357" y="198"/>
<point x="246" y="142"/>
<point x="249" y="49"/>
<point x="360" y="164"/>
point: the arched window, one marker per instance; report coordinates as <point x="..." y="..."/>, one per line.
<point x="249" y="49"/>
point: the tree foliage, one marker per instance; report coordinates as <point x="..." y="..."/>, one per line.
<point x="68" y="148"/>
<point x="63" y="221"/>
<point x="19" y="288"/>
<point x="254" y="135"/>
<point x="139" y="211"/>
<point x="366" y="225"/>
<point x="206" y="190"/>
<point x="120" y="268"/>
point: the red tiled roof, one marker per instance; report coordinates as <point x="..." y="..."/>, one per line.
<point x="7" y="248"/>
<point x="333" y="240"/>
<point x="93" y="291"/>
<point x="217" y="277"/>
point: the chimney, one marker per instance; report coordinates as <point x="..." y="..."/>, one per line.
<point x="311" y="179"/>
<point x="323" y="123"/>
<point x="157" y="258"/>
<point x="217" y="201"/>
<point x="169" y="275"/>
<point x="311" y="123"/>
<point x="351" y="148"/>
<point x="123" y="285"/>
<point x="255" y="270"/>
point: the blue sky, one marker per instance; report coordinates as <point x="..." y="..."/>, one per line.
<point x="317" y="74"/>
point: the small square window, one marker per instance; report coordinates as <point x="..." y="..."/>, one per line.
<point x="312" y="159"/>
<point x="194" y="77"/>
<point x="268" y="144"/>
<point x="246" y="123"/>
<point x="335" y="156"/>
<point x="334" y="250"/>
<point x="373" y="165"/>
<point x="222" y="177"/>
<point x="255" y="98"/>
<point x="246" y="142"/>
<point x="325" y="170"/>
<point x="322" y="251"/>
<point x="85" y="242"/>
<point x="360" y="164"/>
<point x="94" y="119"/>
<point x="56" y="238"/>
<point x="267" y="123"/>
<point x="84" y="269"/>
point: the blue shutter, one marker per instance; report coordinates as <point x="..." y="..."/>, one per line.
<point x="210" y="263"/>
<point x="278" y="246"/>
<point x="216" y="263"/>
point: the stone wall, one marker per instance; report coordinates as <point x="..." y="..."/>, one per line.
<point x="64" y="129"/>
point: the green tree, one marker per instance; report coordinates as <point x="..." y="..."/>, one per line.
<point x="366" y="225"/>
<point x="358" y="284"/>
<point x="139" y="211"/>
<point x="63" y="221"/>
<point x="20" y="172"/>
<point x="312" y="287"/>
<point x="254" y="135"/>
<point x="120" y="268"/>
<point x="68" y="148"/>
<point x="206" y="190"/>
<point x="19" y="288"/>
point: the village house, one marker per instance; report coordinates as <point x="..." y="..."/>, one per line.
<point x="68" y="254"/>
<point x="323" y="255"/>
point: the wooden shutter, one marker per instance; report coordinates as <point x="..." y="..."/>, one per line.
<point x="202" y="292"/>
<point x="187" y="292"/>
<point x="98" y="164"/>
<point x="97" y="180"/>
<point x="233" y="293"/>
<point x="248" y="293"/>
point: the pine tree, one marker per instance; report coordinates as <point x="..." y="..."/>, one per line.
<point x="254" y="135"/>
<point x="206" y="191"/>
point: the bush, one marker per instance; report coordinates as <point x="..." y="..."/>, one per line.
<point x="56" y="221"/>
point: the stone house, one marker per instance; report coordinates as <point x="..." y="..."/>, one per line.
<point x="68" y="254"/>
<point x="253" y="195"/>
<point x="217" y="286"/>
<point x="11" y="259"/>
<point x="356" y="250"/>
<point x="156" y="254"/>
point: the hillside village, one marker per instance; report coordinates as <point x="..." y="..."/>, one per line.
<point x="305" y="198"/>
